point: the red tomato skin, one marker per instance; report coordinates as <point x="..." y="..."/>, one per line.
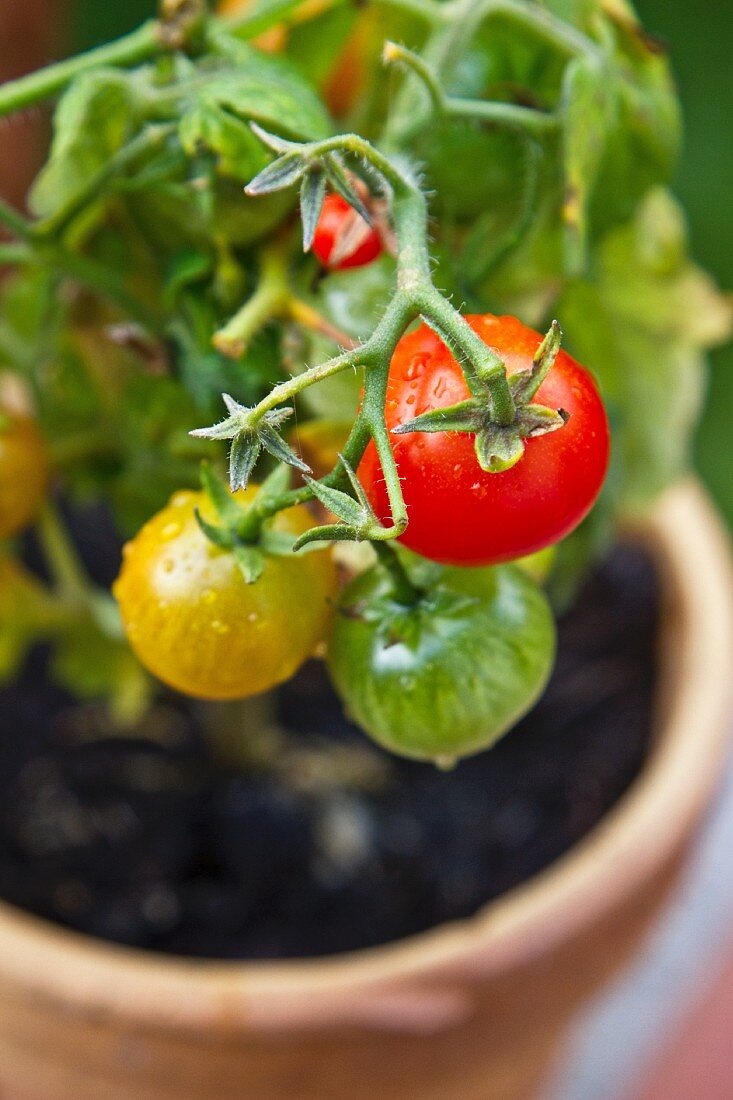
<point x="336" y="211"/>
<point x="458" y="513"/>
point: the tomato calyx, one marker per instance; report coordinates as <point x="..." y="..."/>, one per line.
<point x="367" y="214"/>
<point x="245" y="532"/>
<point x="499" y="446"/>
<point x="249" y="438"/>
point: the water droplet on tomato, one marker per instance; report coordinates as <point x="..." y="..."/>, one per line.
<point x="415" y="367"/>
<point x="219" y="627"/>
<point x="170" y="531"/>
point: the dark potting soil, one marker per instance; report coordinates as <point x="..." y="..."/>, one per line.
<point x="148" y="841"/>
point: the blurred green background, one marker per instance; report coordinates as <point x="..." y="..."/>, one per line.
<point x="700" y="40"/>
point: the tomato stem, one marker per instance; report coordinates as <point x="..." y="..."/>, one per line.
<point x="133" y="48"/>
<point x="403" y="590"/>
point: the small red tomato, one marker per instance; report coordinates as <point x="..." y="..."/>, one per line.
<point x="343" y="239"/>
<point x="457" y="512"/>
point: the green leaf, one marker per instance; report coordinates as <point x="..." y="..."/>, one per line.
<point x="586" y="108"/>
<point x="95" y="118"/>
<point x="208" y="126"/>
<point x="28" y="614"/>
<point x="185" y="269"/>
<point x="642" y="324"/>
<point x="266" y="90"/>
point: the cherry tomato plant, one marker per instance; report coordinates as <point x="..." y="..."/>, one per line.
<point x="258" y="310"/>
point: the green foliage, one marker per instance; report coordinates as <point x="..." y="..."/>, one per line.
<point x="644" y="320"/>
<point x="541" y="137"/>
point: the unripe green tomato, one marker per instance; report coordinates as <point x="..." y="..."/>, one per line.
<point x="448" y="676"/>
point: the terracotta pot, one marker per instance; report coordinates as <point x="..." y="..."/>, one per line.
<point x="475" y="1009"/>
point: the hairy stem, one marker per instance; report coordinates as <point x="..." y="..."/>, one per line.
<point x="69" y="577"/>
<point x="138" y="46"/>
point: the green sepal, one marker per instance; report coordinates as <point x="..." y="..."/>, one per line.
<point x="218" y="494"/>
<point x="312" y="195"/>
<point x="498" y="447"/>
<point x="273" y="141"/>
<point x="275" y="445"/>
<point x="338" y="177"/>
<point x="466" y="416"/>
<point x="536" y="420"/>
<point x="219" y="536"/>
<point x="284" y="172"/>
<point x="245" y="450"/>
<point x="249" y="438"/>
<point x="251" y="562"/>
<point x="524" y="384"/>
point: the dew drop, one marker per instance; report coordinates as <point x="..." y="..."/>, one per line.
<point x="252" y="617"/>
<point x="219" y="627"/>
<point x="415" y="368"/>
<point x="208" y="596"/>
<point x="168" y="565"/>
<point x="411" y="399"/>
<point x="170" y="531"/>
<point x="440" y="387"/>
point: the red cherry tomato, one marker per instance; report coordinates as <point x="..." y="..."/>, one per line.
<point x="458" y="513"/>
<point x="343" y="239"/>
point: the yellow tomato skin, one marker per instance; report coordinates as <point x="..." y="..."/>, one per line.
<point x="24" y="473"/>
<point x="195" y="623"/>
<point x="320" y="443"/>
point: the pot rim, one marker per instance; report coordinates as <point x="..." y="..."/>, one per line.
<point x="691" y="549"/>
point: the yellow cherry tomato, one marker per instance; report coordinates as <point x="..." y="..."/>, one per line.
<point x="319" y="443"/>
<point x="195" y="623"/>
<point x="24" y="472"/>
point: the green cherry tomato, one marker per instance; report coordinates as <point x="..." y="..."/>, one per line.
<point x="24" y="473"/>
<point x="196" y="624"/>
<point x="448" y="676"/>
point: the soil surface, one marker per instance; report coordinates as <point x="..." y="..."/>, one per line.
<point x="150" y="841"/>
